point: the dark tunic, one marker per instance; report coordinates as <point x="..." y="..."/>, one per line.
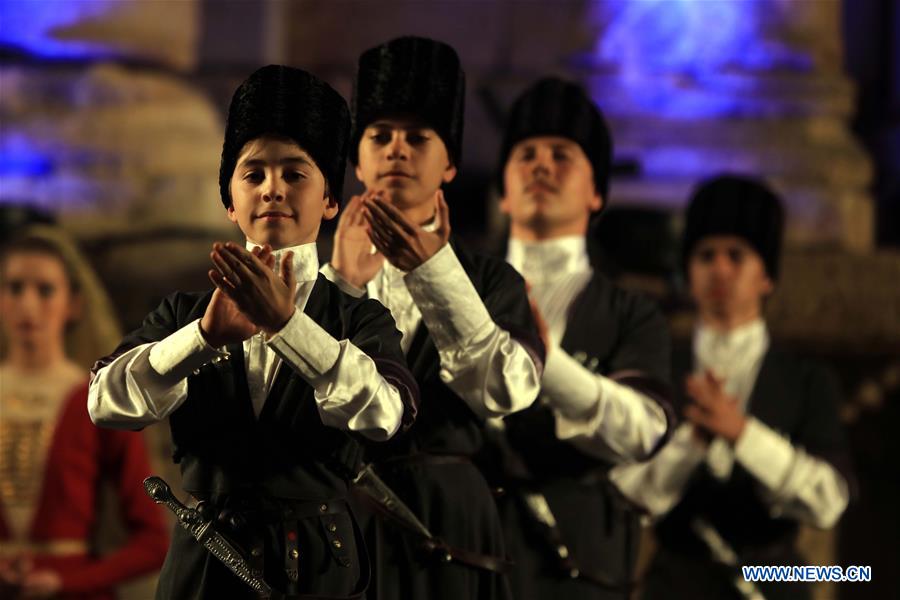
<point x="610" y="331"/>
<point x="281" y="478"/>
<point x="797" y="398"/>
<point x="450" y="496"/>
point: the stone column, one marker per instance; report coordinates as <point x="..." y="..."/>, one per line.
<point x="103" y="126"/>
<point x="114" y="139"/>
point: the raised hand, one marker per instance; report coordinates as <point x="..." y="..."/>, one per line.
<point x="264" y="297"/>
<point x="712" y="411"/>
<point x="352" y="256"/>
<point x="403" y="243"/>
<point x="223" y="322"/>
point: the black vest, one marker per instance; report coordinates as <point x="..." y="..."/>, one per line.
<point x="287" y="452"/>
<point x="795" y="397"/>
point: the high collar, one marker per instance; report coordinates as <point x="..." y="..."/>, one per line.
<point x="305" y="262"/>
<point x="723" y="350"/>
<point x="548" y="259"/>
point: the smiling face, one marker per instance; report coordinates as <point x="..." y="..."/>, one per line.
<point x="278" y="194"/>
<point x="728" y="280"/>
<point x="36" y="299"/>
<point x="548" y="188"/>
<point x="405" y="159"/>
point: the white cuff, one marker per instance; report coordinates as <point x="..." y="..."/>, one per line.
<point x="306" y="347"/>
<point x="449" y="303"/>
<point x="659" y="483"/>
<point x="623" y="424"/>
<point x="765" y="454"/>
<point x="182" y="353"/>
<point x="572" y="389"/>
<point x="345" y="286"/>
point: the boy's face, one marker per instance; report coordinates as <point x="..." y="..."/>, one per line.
<point x="549" y="186"/>
<point x="278" y="193"/>
<point x="728" y="279"/>
<point x="405" y="159"/>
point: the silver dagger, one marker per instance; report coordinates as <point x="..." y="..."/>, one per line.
<point x="204" y="532"/>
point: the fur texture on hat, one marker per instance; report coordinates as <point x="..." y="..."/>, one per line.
<point x="736" y="205"/>
<point x="288" y="102"/>
<point x="554" y="107"/>
<point x="411" y="76"/>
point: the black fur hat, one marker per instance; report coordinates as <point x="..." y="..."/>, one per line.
<point x="740" y="206"/>
<point x="555" y="107"/>
<point x="295" y="104"/>
<point x="411" y="75"/>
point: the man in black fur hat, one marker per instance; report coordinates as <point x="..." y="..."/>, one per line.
<point x="270" y="380"/>
<point x="762" y="450"/>
<point x="468" y="332"/>
<point x="603" y="396"/>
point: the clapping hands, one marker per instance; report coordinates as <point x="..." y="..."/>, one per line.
<point x="249" y="296"/>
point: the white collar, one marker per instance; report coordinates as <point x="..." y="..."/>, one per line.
<point x="548" y="259"/>
<point x="305" y="262"/>
<point x="722" y="349"/>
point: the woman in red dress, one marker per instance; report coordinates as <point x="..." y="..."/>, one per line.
<point x="55" y="318"/>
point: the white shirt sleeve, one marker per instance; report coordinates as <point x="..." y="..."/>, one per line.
<point x="350" y="392"/>
<point x="796" y="484"/>
<point x="345" y="286"/>
<point x="658" y="484"/>
<point x="494" y="374"/>
<point x="147" y="383"/>
<point x="599" y="416"/>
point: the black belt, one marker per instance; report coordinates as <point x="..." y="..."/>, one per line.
<point x="423" y="458"/>
<point x="271" y="511"/>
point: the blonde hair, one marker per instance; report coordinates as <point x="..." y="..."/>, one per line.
<point x="95" y="332"/>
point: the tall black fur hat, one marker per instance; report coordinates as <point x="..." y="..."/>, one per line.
<point x="295" y="104"/>
<point x="555" y="107"/>
<point x="740" y="206"/>
<point x="411" y="75"/>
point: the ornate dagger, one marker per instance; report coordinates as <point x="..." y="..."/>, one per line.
<point x="204" y="532"/>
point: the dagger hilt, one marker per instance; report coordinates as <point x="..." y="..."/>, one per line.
<point x="203" y="531"/>
<point x="160" y="492"/>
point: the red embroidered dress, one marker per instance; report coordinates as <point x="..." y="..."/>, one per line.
<point x="52" y="461"/>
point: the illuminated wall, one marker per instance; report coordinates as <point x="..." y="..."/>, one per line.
<point x="691" y="88"/>
<point x="695" y="88"/>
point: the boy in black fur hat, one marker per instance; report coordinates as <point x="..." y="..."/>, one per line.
<point x="602" y="399"/>
<point x="267" y="380"/>
<point x="468" y="332"/>
<point x="762" y="450"/>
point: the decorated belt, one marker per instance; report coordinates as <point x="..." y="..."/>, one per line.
<point x="72" y="547"/>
